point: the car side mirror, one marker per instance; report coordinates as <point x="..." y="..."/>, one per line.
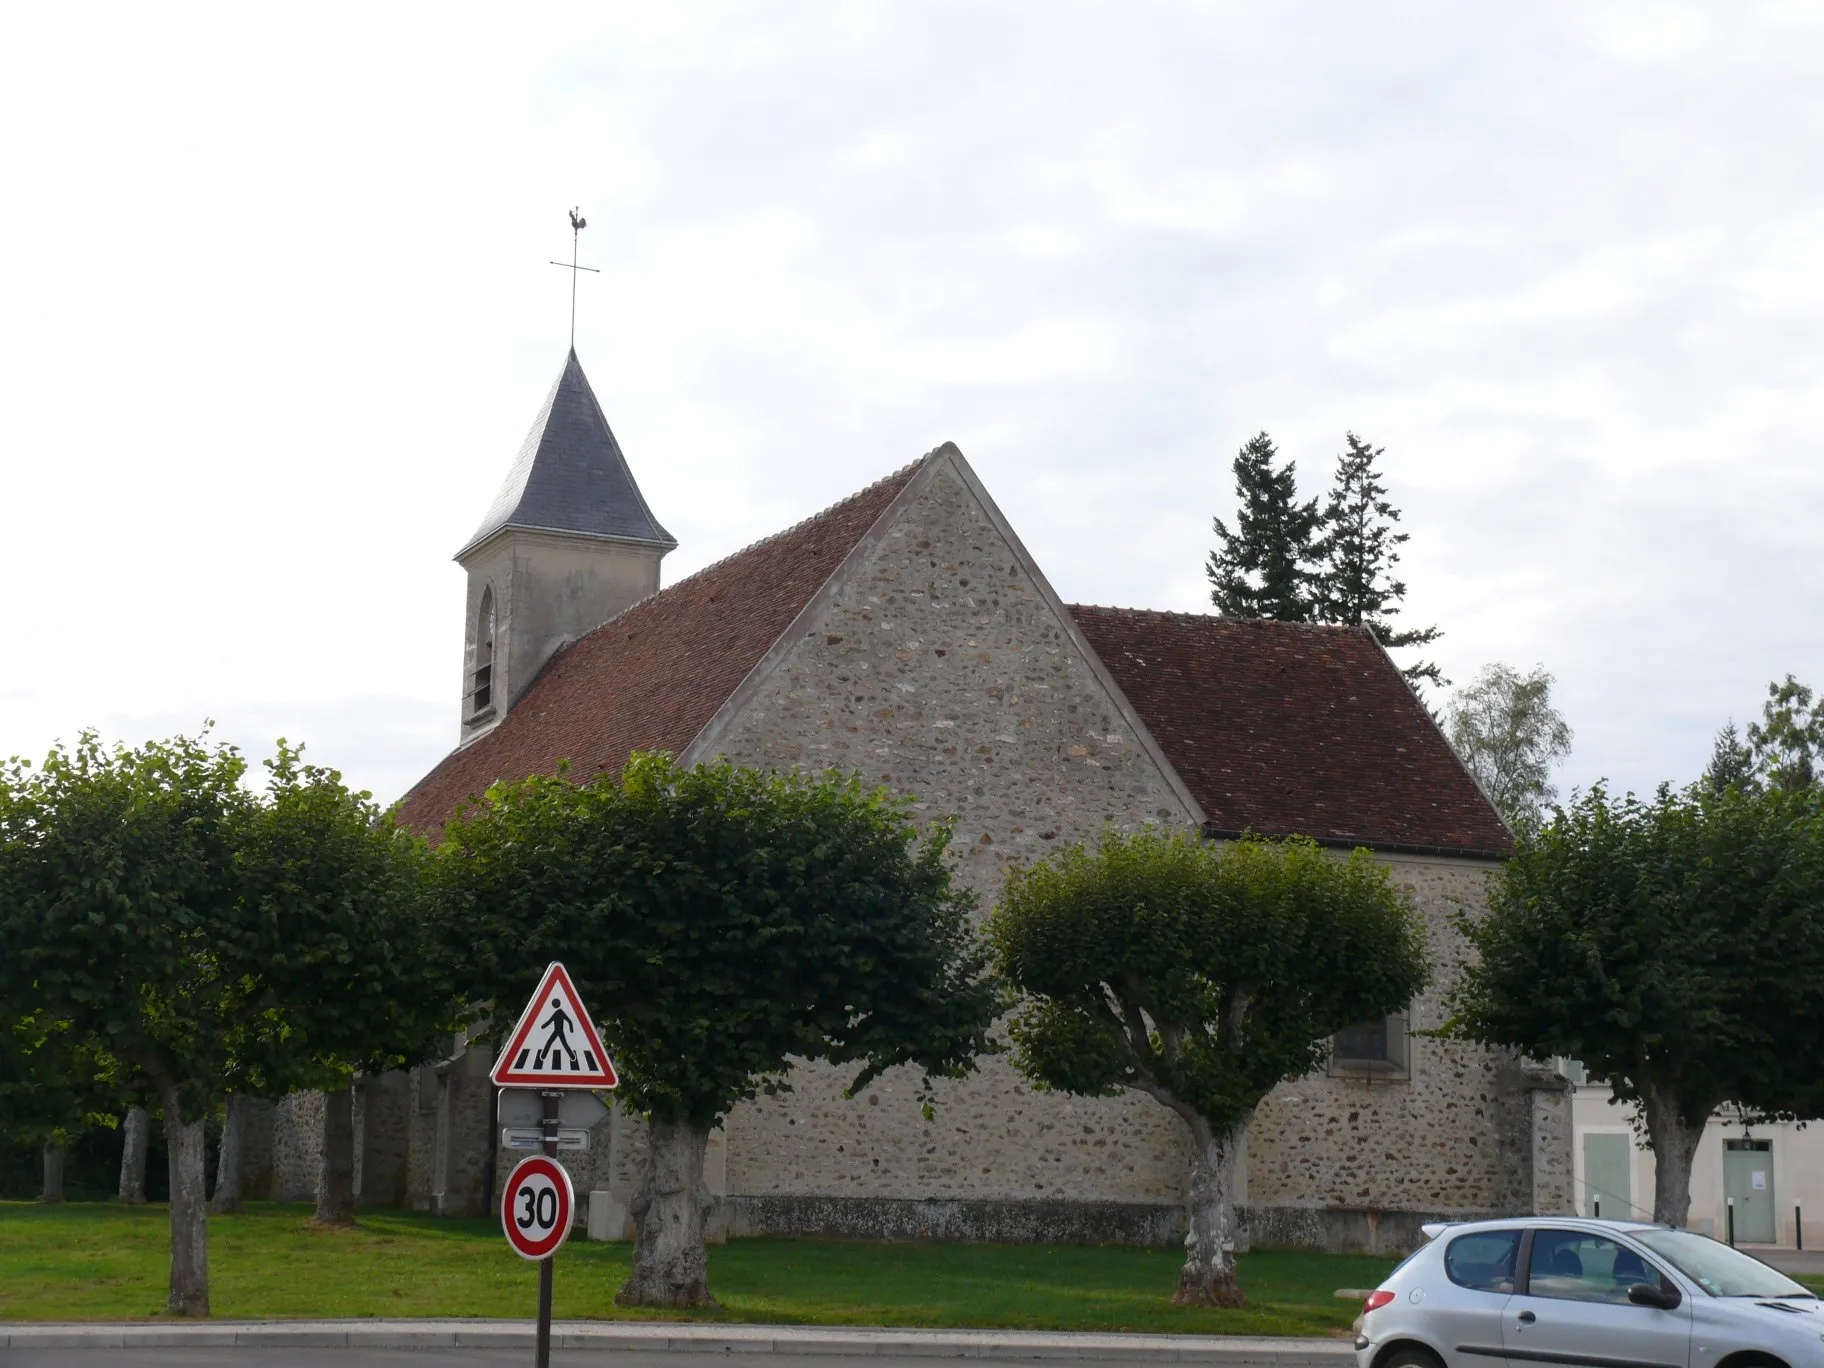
<point x="1646" y="1294"/>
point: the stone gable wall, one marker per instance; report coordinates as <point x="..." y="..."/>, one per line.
<point x="939" y="668"/>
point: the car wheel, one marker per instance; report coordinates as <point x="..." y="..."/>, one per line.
<point x="1410" y="1356"/>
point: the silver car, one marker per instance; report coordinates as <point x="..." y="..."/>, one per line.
<point x="1614" y="1294"/>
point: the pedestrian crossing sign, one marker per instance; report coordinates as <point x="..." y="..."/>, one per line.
<point x="555" y="1045"/>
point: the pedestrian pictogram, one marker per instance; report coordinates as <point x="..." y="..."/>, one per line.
<point x="536" y="1207"/>
<point x="555" y="1045"/>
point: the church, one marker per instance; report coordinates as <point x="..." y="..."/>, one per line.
<point x="905" y="633"/>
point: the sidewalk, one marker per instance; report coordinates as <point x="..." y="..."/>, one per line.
<point x="1810" y="1262"/>
<point x="660" y="1337"/>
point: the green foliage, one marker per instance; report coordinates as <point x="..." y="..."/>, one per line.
<point x="360" y="975"/>
<point x="1202" y="974"/>
<point x="1260" y="570"/>
<point x="1508" y="734"/>
<point x="1674" y="946"/>
<point x="1356" y="553"/>
<point x="49" y="1088"/>
<point x="1731" y="761"/>
<point x="193" y="933"/>
<point x="719" y="921"/>
<point x="1789" y="739"/>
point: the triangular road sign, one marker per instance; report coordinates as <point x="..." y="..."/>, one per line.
<point x="555" y="1044"/>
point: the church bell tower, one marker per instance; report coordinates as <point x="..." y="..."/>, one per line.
<point x="567" y="544"/>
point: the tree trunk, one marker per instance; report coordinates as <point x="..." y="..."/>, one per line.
<point x="53" y="1172"/>
<point x="136" y="1134"/>
<point x="670" y="1267"/>
<point x="227" y="1195"/>
<point x="1208" y="1275"/>
<point x="189" y="1211"/>
<point x="336" y="1178"/>
<point x="1674" y="1141"/>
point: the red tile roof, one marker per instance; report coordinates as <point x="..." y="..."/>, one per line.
<point x="651" y="678"/>
<point x="1284" y="728"/>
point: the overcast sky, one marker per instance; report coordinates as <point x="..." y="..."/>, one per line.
<point x="276" y="311"/>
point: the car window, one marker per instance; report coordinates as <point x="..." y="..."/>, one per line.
<point x="1718" y="1269"/>
<point x="1483" y="1260"/>
<point x="1573" y="1266"/>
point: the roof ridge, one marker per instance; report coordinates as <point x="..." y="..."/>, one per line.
<point x="904" y="471"/>
<point x="1219" y="617"/>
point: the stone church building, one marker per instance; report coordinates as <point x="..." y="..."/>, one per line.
<point x="906" y="633"/>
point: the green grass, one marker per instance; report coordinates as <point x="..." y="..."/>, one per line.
<point x="1816" y="1284"/>
<point x="103" y="1262"/>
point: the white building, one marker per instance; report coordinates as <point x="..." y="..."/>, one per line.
<point x="1772" y="1175"/>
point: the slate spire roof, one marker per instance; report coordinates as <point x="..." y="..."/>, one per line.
<point x="570" y="475"/>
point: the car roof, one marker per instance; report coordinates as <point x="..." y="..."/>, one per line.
<point x="1436" y="1228"/>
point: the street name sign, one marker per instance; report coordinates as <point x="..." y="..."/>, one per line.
<point x="555" y="1045"/>
<point x="523" y="1107"/>
<point x="536" y="1207"/>
<point x="533" y="1137"/>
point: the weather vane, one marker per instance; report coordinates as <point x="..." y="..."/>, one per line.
<point x="577" y="224"/>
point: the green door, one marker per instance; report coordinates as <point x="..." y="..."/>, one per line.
<point x="1748" y="1184"/>
<point x="1605" y="1177"/>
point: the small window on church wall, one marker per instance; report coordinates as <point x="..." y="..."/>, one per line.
<point x="1376" y="1047"/>
<point x="481" y="685"/>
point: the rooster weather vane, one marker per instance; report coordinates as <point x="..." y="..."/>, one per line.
<point x="577" y="224"/>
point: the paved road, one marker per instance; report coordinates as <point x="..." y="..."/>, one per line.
<point x="279" y="1357"/>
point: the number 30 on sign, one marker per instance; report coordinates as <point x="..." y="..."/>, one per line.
<point x="536" y="1207"/>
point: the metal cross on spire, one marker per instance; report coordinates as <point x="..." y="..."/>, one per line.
<point x="577" y="224"/>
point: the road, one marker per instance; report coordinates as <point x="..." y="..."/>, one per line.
<point x="280" y="1357"/>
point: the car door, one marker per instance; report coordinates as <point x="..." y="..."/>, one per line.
<point x="1463" y="1318"/>
<point x="1573" y="1307"/>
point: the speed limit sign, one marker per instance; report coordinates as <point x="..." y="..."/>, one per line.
<point x="535" y="1207"/>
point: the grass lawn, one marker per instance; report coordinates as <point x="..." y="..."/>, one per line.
<point x="102" y="1262"/>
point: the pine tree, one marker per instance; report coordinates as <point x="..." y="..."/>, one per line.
<point x="1731" y="762"/>
<point x="1262" y="568"/>
<point x="1356" y="554"/>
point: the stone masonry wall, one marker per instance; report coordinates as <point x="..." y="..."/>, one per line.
<point x="1438" y="1140"/>
<point x="297" y="1146"/>
<point x="941" y="669"/>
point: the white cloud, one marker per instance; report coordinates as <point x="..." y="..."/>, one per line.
<point x="275" y="312"/>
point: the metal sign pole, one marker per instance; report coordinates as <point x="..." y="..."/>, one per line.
<point x="543" y="1360"/>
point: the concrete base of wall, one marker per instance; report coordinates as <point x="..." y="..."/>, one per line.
<point x="1333" y="1230"/>
<point x="1012" y="1222"/>
<point x="1330" y="1230"/>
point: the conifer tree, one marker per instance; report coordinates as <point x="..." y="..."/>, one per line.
<point x="1356" y="553"/>
<point x="1262" y="568"/>
<point x="1731" y="762"/>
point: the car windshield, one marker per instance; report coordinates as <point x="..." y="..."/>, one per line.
<point x="1715" y="1267"/>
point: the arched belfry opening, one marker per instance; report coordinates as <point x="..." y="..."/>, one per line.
<point x="567" y="543"/>
<point x="481" y="677"/>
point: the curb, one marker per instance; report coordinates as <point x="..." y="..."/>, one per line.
<point x="660" y="1337"/>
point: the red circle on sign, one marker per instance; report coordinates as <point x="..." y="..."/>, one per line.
<point x="535" y="1207"/>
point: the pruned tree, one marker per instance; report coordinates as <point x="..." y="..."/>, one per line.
<point x="1263" y="568"/>
<point x="1356" y="552"/>
<point x="52" y="1089"/>
<point x="721" y="922"/>
<point x="1503" y="725"/>
<point x="1676" y="947"/>
<point x="122" y="915"/>
<point x="1202" y="975"/>
<point x="153" y="901"/>
<point x="368" y="977"/>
